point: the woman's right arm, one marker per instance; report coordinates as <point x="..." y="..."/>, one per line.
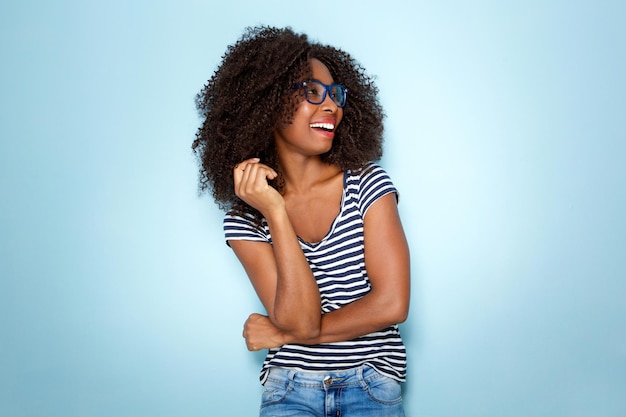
<point x="388" y="267"/>
<point x="279" y="273"/>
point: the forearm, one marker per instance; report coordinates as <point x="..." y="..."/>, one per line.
<point x="359" y="318"/>
<point x="297" y="303"/>
<point x="280" y="273"/>
<point x="366" y="315"/>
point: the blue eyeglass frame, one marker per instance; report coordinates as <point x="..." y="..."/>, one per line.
<point x="327" y="90"/>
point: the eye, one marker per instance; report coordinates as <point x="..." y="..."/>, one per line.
<point x="313" y="90"/>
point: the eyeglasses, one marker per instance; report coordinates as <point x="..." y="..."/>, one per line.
<point x="315" y="92"/>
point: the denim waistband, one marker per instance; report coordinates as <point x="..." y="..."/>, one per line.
<point x="324" y="379"/>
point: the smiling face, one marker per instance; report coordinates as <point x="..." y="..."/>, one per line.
<point x="313" y="126"/>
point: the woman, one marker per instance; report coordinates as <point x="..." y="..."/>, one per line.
<point x="290" y="130"/>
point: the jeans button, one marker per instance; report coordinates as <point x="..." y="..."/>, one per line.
<point x="328" y="380"/>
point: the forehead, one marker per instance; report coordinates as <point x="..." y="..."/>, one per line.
<point x="320" y="71"/>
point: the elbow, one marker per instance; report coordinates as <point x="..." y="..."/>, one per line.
<point x="401" y="315"/>
<point x="399" y="312"/>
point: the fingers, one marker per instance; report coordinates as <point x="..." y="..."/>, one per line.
<point x="240" y="169"/>
<point x="252" y="186"/>
<point x="243" y="164"/>
<point x="252" y="163"/>
<point x="249" y="343"/>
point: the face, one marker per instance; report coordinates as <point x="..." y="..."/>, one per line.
<point x="313" y="127"/>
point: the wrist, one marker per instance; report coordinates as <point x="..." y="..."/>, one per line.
<point x="276" y="215"/>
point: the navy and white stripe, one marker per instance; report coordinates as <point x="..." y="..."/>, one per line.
<point x="338" y="264"/>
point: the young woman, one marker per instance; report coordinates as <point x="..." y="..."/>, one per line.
<point x="289" y="135"/>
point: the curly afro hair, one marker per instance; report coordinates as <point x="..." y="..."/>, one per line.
<point x="250" y="95"/>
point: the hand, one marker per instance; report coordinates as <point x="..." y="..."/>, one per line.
<point x="260" y="333"/>
<point x="251" y="185"/>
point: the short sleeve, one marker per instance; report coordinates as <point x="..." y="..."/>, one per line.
<point x="244" y="228"/>
<point x="375" y="183"/>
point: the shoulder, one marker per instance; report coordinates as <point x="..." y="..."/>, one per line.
<point x="368" y="173"/>
<point x="369" y="184"/>
<point x="369" y="178"/>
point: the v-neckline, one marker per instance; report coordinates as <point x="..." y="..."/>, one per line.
<point x="314" y="245"/>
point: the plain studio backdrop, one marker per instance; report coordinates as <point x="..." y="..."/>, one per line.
<point x="504" y="134"/>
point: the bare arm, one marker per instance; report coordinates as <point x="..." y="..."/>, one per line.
<point x="279" y="273"/>
<point x="388" y="267"/>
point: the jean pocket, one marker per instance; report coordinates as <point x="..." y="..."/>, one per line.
<point x="274" y="393"/>
<point x="384" y="390"/>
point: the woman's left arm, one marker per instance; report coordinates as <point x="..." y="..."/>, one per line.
<point x="388" y="268"/>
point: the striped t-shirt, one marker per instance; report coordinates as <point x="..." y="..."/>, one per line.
<point x="338" y="265"/>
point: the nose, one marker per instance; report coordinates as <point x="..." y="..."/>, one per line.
<point x="328" y="105"/>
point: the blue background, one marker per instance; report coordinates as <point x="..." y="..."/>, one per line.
<point x="505" y="135"/>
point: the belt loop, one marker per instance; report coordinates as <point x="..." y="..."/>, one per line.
<point x="291" y="379"/>
<point x="292" y="375"/>
<point x="360" y="378"/>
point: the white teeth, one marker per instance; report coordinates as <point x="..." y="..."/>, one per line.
<point x="327" y="126"/>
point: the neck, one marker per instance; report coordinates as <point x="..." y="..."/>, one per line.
<point x="302" y="174"/>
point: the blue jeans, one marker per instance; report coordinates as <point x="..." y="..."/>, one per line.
<point x="359" y="392"/>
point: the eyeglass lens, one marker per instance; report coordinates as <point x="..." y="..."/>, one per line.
<point x="316" y="93"/>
